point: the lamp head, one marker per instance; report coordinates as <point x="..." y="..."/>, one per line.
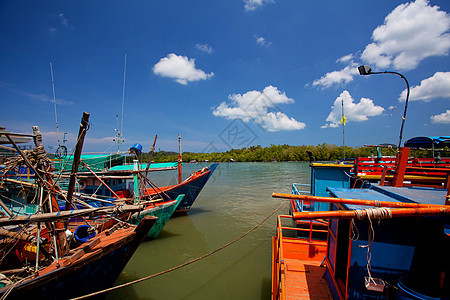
<point x="364" y="70"/>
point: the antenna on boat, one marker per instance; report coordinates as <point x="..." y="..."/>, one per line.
<point x="119" y="133"/>
<point x="61" y="152"/>
<point x="54" y="103"/>
<point x="123" y="91"/>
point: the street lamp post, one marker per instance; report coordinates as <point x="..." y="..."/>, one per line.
<point x="366" y="70"/>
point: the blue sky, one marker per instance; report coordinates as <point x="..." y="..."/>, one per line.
<point x="225" y="74"/>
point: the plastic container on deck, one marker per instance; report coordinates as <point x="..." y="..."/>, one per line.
<point x="82" y="234"/>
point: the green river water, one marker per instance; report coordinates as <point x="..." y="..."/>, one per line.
<point x="236" y="198"/>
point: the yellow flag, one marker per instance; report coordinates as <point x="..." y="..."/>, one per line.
<point x="343" y="120"/>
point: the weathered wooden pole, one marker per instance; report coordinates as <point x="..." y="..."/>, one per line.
<point x="76" y="158"/>
<point x="179" y="159"/>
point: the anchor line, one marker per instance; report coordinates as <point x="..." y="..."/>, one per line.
<point x="184" y="264"/>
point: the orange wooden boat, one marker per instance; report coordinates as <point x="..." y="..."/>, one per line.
<point x="297" y="265"/>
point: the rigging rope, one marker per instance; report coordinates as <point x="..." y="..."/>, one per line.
<point x="182" y="265"/>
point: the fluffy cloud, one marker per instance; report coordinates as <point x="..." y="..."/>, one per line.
<point x="179" y="68"/>
<point x="262" y="41"/>
<point x="354" y="112"/>
<point x="437" y="86"/>
<point x="205" y="48"/>
<point x="443" y="118"/>
<point x="337" y="77"/>
<point x="410" y="33"/>
<point x="254" y="4"/>
<point x="345" y="59"/>
<point x="254" y="106"/>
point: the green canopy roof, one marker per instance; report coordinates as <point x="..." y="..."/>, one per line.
<point x="97" y="163"/>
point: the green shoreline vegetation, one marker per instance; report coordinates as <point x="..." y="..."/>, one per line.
<point x="321" y="152"/>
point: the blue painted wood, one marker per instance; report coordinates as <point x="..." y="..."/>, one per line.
<point x="389" y="193"/>
<point x="327" y="175"/>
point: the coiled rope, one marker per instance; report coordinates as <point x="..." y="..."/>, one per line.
<point x="372" y="213"/>
<point x="182" y="265"/>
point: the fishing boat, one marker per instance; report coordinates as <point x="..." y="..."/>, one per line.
<point x="92" y="266"/>
<point x="384" y="241"/>
<point x="120" y="180"/>
<point x="130" y="180"/>
<point x="49" y="253"/>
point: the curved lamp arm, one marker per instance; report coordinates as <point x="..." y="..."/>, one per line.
<point x="366" y="70"/>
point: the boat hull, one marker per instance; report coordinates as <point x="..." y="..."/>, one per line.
<point x="191" y="188"/>
<point x="162" y="211"/>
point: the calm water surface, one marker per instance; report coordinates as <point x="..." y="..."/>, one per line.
<point x="236" y="198"/>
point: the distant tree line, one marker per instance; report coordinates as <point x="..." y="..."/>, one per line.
<point x="321" y="152"/>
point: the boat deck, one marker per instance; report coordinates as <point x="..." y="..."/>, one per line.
<point x="300" y="270"/>
<point x="304" y="280"/>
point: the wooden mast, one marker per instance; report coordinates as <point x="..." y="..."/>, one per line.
<point x="179" y="159"/>
<point x="76" y="158"/>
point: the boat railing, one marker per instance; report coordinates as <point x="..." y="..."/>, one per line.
<point x="301" y="189"/>
<point x="278" y="265"/>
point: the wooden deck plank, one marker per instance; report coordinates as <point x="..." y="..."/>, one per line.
<point x="304" y="280"/>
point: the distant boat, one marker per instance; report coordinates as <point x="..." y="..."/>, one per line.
<point x="190" y="187"/>
<point x="120" y="178"/>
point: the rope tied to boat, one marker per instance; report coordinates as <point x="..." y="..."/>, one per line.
<point x="374" y="213"/>
<point x="184" y="264"/>
<point x="371" y="213"/>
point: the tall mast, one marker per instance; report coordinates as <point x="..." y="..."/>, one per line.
<point x="119" y="132"/>
<point x="54" y="103"/>
<point x="179" y="159"/>
<point x="123" y="92"/>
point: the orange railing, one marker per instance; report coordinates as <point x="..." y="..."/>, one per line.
<point x="278" y="265"/>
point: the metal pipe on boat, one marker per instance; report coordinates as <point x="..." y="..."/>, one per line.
<point x="38" y="230"/>
<point x="364" y="213"/>
<point x="96" y="176"/>
<point x="149" y="161"/>
<point x="136" y="181"/>
<point x="375" y="203"/>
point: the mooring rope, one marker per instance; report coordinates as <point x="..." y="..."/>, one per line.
<point x="182" y="265"/>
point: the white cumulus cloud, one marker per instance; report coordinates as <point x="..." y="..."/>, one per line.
<point x="354" y="112"/>
<point x="180" y="68"/>
<point x="337" y="77"/>
<point x="443" y="118"/>
<point x="255" y="105"/>
<point x="437" y="86"/>
<point x="410" y="33"/>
